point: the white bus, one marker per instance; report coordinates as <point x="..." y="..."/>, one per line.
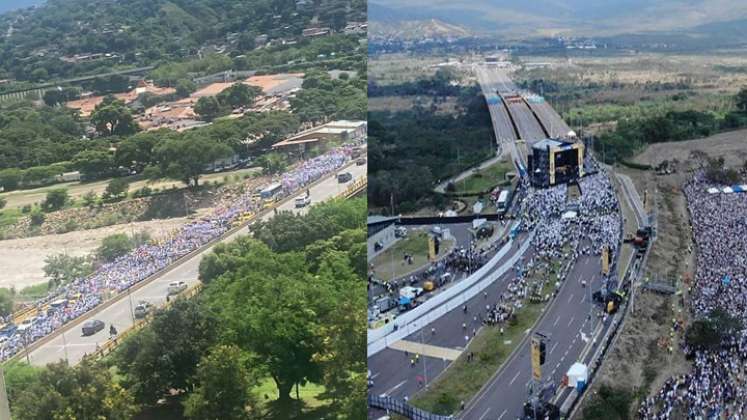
<point x="502" y="201"/>
<point x="271" y="191"/>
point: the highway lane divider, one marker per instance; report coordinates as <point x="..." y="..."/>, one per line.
<point x="178" y="262"/>
<point x="432" y="309"/>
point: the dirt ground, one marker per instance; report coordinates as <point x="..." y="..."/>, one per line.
<point x="731" y="145"/>
<point x="640" y="359"/>
<point x="21" y="198"/>
<point x="23" y="259"/>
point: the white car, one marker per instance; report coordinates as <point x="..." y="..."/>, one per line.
<point x="176" y="287"/>
<point x="303" y="201"/>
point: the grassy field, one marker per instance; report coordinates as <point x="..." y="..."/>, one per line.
<point x="17" y="199"/>
<point x="463" y="379"/>
<point x="484" y="179"/>
<point x="416" y="244"/>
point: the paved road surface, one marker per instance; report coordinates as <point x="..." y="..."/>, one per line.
<point x="564" y="323"/>
<point x="390" y="369"/>
<point x="119" y="313"/>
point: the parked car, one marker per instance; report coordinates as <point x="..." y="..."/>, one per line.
<point x="360" y="161"/>
<point x="142" y="309"/>
<point x="92" y="326"/>
<point x="176" y="287"/>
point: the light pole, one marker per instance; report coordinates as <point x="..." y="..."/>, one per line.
<point x="64" y="346"/>
<point x="129" y="295"/>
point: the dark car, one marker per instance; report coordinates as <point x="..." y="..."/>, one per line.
<point x="344" y="177"/>
<point x="360" y="162"/>
<point x="92" y="327"/>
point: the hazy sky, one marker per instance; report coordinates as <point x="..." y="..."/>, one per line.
<point x="6" y="5"/>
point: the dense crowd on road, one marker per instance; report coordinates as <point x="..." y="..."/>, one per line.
<point x="83" y="294"/>
<point x="717" y="385"/>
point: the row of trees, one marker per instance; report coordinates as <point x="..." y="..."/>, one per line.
<point x="290" y="312"/>
<point x="238" y="95"/>
<point x="630" y="136"/>
<point x="321" y="97"/>
<point x="410" y="151"/>
<point x="141" y="32"/>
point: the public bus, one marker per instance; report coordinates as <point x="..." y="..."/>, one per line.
<point x="502" y="201"/>
<point x="271" y="191"/>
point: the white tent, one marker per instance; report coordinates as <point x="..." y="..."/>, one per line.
<point x="569" y="215"/>
<point x="476" y="223"/>
<point x="713" y="190"/>
<point x="578" y="372"/>
<point x="728" y="190"/>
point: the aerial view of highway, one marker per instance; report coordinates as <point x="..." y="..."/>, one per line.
<point x="558" y="258"/>
<point x="67" y="343"/>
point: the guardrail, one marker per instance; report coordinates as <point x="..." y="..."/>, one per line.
<point x="442" y="303"/>
<point x="176" y="263"/>
<point x="108" y="347"/>
<point x="403" y="408"/>
<point x="354" y="188"/>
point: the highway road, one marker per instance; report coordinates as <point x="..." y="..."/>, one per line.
<point x="568" y="326"/>
<point x="73" y="346"/>
<point x="527" y="124"/>
<point x="390" y="368"/>
<point x="550" y="119"/>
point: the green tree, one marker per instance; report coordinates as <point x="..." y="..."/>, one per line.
<point x="185" y="87"/>
<point x="62" y="268"/>
<point x="55" y="200"/>
<point x="273" y="163"/>
<point x="112" y="117"/>
<point x="742" y="99"/>
<point x="117" y="187"/>
<point x="185" y="158"/>
<point x="114" y="246"/>
<point x="6" y="301"/>
<point x="95" y="164"/>
<point x="223" y="386"/>
<point x="239" y="95"/>
<point x="210" y="108"/>
<point x="89" y="198"/>
<point x="284" y="335"/>
<point x="710" y="331"/>
<point x="37" y="217"/>
<point x="138" y="149"/>
<point x="61" y="392"/>
<point x="165" y="355"/>
<point x="3" y="202"/>
<point x="10" y="178"/>
<point x="609" y="403"/>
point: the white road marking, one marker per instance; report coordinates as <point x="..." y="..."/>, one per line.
<point x="571" y="321"/>
<point x="553" y="347"/>
<point x="484" y="414"/>
<point x="374" y="375"/>
<point x="556" y="321"/>
<point x="570" y="298"/>
<point x="502" y="414"/>
<point x="394" y="388"/>
<point x="515" y="376"/>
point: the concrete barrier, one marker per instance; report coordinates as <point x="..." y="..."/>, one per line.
<point x="441" y="304"/>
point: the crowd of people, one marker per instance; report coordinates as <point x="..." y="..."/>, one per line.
<point x="717" y="385"/>
<point x="83" y="294"/>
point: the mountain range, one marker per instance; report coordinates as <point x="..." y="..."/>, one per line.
<point x="521" y="18"/>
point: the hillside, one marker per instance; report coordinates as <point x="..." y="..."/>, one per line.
<point x="66" y="38"/>
<point x="563" y="17"/>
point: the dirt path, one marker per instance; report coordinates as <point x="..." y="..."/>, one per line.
<point x="23" y="259"/>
